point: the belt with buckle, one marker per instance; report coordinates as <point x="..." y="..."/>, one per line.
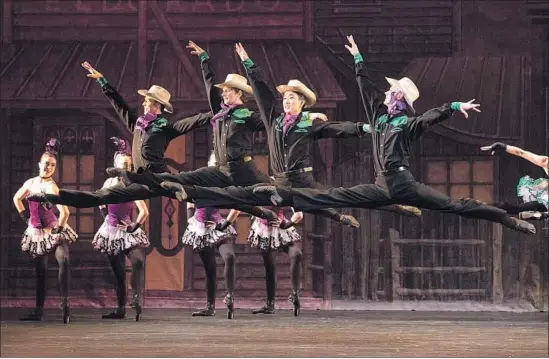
<point x="294" y="172"/>
<point x="240" y="161"/>
<point x="392" y="171"/>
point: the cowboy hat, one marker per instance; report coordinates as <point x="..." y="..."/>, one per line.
<point x="160" y="95"/>
<point x="299" y="87"/>
<point x="408" y="88"/>
<point x="237" y="82"/>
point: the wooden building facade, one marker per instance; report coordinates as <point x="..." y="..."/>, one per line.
<point x="137" y="43"/>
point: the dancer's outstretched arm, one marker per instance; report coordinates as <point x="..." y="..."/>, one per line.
<point x="538" y="160"/>
<point x="120" y="106"/>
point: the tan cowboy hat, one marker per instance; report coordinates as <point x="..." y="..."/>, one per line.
<point x="159" y="94"/>
<point x="299" y="87"/>
<point x="237" y="82"/>
<point x="408" y="88"/>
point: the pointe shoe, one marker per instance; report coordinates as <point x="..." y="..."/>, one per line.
<point x="66" y="310"/>
<point x="136" y="304"/>
<point x="294" y="299"/>
<point x="229" y="302"/>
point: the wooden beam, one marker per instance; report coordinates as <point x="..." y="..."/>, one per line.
<point x="497" y="269"/>
<point x="142" y="43"/>
<point x="308" y="21"/>
<point x="183" y="57"/>
<point x="7" y="23"/>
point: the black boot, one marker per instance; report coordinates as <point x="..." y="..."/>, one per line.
<point x="66" y="310"/>
<point x="276" y="199"/>
<point x="229" y="302"/>
<point x="294" y="299"/>
<point x="118" y="313"/>
<point x="37" y="314"/>
<point x="209" y="311"/>
<point x="268" y="308"/>
<point x="136" y="304"/>
<point x="349" y="221"/>
<point x="175" y="188"/>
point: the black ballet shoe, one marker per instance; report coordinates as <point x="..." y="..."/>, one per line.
<point x="294" y="299"/>
<point x="118" y="313"/>
<point x="65" y="310"/>
<point x="136" y="304"/>
<point x="40" y="197"/>
<point x="276" y="199"/>
<point x="348" y="220"/>
<point x="268" y="308"/>
<point x="229" y="302"/>
<point x="122" y="174"/>
<point x="523" y="226"/>
<point x="35" y="316"/>
<point x="177" y="189"/>
<point x="209" y="311"/>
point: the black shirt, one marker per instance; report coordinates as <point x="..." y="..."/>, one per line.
<point x="392" y="135"/>
<point x="148" y="149"/>
<point x="292" y="151"/>
<point x="232" y="134"/>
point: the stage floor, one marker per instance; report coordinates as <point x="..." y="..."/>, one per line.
<point x="173" y="332"/>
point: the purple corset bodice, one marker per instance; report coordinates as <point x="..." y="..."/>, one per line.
<point x="41" y="217"/>
<point x="120" y="213"/>
<point x="208" y="214"/>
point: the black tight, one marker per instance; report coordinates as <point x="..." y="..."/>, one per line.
<point x="117" y="262"/>
<point x="63" y="276"/>
<point x="207" y="255"/>
<point x="269" y="261"/>
<point x="533" y="206"/>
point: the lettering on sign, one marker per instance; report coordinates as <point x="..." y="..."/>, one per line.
<point x="168" y="6"/>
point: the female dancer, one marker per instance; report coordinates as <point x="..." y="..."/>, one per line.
<point x="534" y="192"/>
<point x="45" y="232"/>
<point x="118" y="236"/>
<point x="270" y="237"/>
<point x="207" y="230"/>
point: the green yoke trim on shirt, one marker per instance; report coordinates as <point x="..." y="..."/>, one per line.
<point x="358" y="58"/>
<point x="159" y="124"/>
<point x="204" y="56"/>
<point x="454" y="106"/>
<point x="102" y="81"/>
<point x="248" y="63"/>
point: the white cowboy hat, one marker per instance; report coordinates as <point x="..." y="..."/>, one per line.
<point x="408" y="88"/>
<point x="159" y="94"/>
<point x="237" y="82"/>
<point x="299" y="87"/>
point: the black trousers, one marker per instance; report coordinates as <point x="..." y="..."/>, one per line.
<point x="402" y="188"/>
<point x="533" y="206"/>
<point x="242" y="175"/>
<point x="398" y="188"/>
<point x="241" y="197"/>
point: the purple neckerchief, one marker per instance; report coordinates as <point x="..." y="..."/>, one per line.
<point x="144" y="121"/>
<point x="288" y="122"/>
<point x="224" y="111"/>
<point x="396" y="106"/>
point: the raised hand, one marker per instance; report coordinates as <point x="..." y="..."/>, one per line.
<point x="318" y="116"/>
<point x="195" y="49"/>
<point x="93" y="73"/>
<point x="353" y="49"/>
<point x="241" y="52"/>
<point x="466" y="106"/>
<point x="496" y="146"/>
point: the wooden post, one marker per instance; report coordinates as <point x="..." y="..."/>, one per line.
<point x="328" y="280"/>
<point x="308" y="21"/>
<point x="497" y="275"/>
<point x="142" y="43"/>
<point x="7" y="22"/>
<point x="394" y="236"/>
<point x="375" y="239"/>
